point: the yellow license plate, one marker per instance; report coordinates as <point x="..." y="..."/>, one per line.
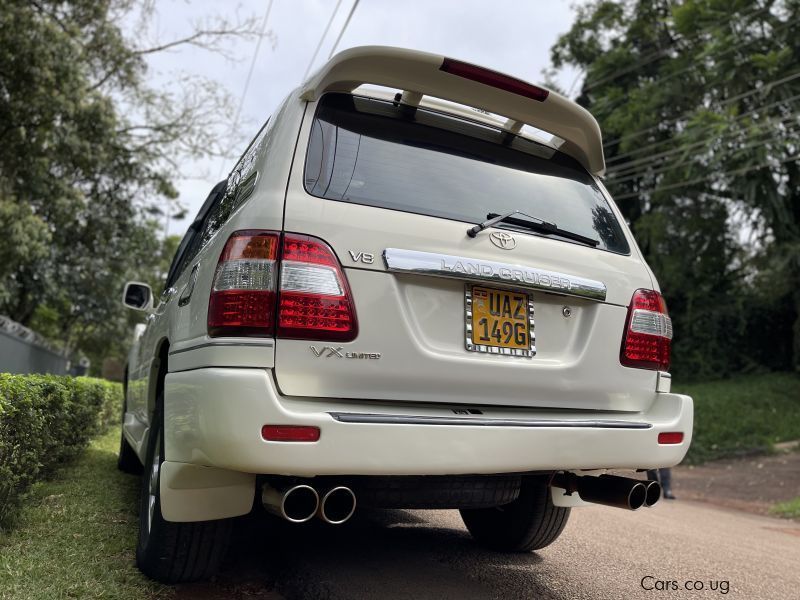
<point x="499" y="322"/>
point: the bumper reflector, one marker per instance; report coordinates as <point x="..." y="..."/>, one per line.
<point x="290" y="433"/>
<point x="670" y="437"/>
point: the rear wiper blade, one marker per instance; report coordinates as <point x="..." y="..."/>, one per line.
<point x="535" y="224"/>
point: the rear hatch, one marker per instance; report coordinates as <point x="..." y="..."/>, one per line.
<point x="513" y="316"/>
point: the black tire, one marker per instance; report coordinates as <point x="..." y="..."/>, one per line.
<point x="529" y="523"/>
<point x="174" y="552"/>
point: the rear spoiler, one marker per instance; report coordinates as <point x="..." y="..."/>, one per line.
<point x="422" y="73"/>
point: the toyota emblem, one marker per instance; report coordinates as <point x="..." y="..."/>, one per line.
<point x="503" y="240"/>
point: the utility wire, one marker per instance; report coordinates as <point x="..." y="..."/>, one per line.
<point x="768" y="87"/>
<point x="759" y="139"/>
<point x="682" y="184"/>
<point x="341" y="33"/>
<point x="626" y="166"/>
<point x="623" y="161"/>
<point x="656" y="54"/>
<point x="608" y="106"/>
<point x="248" y="78"/>
<point x="322" y="39"/>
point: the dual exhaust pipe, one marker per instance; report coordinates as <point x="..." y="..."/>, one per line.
<point x="300" y="503"/>
<point x="610" y="490"/>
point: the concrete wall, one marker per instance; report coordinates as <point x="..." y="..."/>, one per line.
<point x="22" y="351"/>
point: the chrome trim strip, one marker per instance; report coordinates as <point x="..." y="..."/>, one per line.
<point x="265" y="344"/>
<point x="485" y="422"/>
<point x="474" y="269"/>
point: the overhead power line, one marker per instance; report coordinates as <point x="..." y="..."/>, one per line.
<point x="249" y="77"/>
<point x="658" y="156"/>
<point x="682" y="184"/>
<point x="322" y="39"/>
<point x="760" y="139"/>
<point x="344" y="27"/>
<point x="656" y="149"/>
<point x="661" y="52"/>
<point x="695" y="65"/>
<point x="767" y="87"/>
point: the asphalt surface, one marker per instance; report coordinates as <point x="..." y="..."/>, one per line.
<point x="603" y="553"/>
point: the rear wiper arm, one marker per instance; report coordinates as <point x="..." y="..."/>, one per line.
<point x="536" y="224"/>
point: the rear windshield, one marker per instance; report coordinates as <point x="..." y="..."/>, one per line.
<point x="378" y="153"/>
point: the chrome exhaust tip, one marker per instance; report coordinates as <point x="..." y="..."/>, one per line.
<point x="337" y="505"/>
<point x="636" y="489"/>
<point x="653" y="489"/>
<point x="297" y="504"/>
<point x="609" y="490"/>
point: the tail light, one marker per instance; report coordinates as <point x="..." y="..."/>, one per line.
<point x="292" y="286"/>
<point x="242" y="298"/>
<point x="648" y="332"/>
<point x="494" y="79"/>
<point x="315" y="300"/>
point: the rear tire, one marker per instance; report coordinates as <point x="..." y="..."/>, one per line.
<point x="173" y="552"/>
<point x="529" y="523"/>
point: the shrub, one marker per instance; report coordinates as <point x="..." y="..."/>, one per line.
<point x="742" y="415"/>
<point x="45" y="421"/>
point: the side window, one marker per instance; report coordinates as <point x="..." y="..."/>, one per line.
<point x="241" y="183"/>
<point x="192" y="241"/>
<point x="176" y="268"/>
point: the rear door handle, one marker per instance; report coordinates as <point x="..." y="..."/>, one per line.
<point x="186" y="294"/>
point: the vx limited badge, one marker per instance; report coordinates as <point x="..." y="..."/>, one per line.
<point x="338" y="352"/>
<point x="503" y="240"/>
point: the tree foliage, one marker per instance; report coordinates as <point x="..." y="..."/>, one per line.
<point x="88" y="153"/>
<point x="698" y="102"/>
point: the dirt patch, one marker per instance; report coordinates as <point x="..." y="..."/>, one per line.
<point x="752" y="484"/>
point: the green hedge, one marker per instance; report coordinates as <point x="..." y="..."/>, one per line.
<point x="45" y="421"/>
<point x="742" y="415"/>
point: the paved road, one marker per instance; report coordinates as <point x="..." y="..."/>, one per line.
<point x="603" y="553"/>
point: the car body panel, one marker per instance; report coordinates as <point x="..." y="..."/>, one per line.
<point x="405" y="397"/>
<point x="205" y="424"/>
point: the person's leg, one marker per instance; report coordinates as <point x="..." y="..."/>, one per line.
<point x="652" y="474"/>
<point x="666" y="483"/>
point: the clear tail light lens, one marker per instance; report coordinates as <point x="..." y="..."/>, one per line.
<point x="315" y="300"/>
<point x="242" y="298"/>
<point x="647" y="341"/>
<point x="291" y="286"/>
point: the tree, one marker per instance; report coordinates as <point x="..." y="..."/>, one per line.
<point x="698" y="102"/>
<point x="88" y="152"/>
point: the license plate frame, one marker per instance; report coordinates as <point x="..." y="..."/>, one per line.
<point x="472" y="346"/>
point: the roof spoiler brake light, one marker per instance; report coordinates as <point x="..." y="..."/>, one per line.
<point x="426" y="74"/>
<point x="494" y="79"/>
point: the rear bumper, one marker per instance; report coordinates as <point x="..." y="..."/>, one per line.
<point x="213" y="418"/>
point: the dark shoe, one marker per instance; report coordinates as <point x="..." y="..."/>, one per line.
<point x="669" y="495"/>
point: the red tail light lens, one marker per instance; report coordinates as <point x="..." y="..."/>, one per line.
<point x="315" y="300"/>
<point x="494" y="79"/>
<point x="647" y="341"/>
<point x="242" y="300"/>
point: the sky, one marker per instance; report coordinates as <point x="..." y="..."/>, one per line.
<point x="513" y="36"/>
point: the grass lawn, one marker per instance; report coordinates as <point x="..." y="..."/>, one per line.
<point x="743" y="414"/>
<point x="789" y="510"/>
<point x="76" y="536"/>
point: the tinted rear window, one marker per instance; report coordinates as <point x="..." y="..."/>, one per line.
<point x="376" y="153"/>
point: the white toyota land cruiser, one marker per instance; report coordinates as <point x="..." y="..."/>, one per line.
<point x="415" y="298"/>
